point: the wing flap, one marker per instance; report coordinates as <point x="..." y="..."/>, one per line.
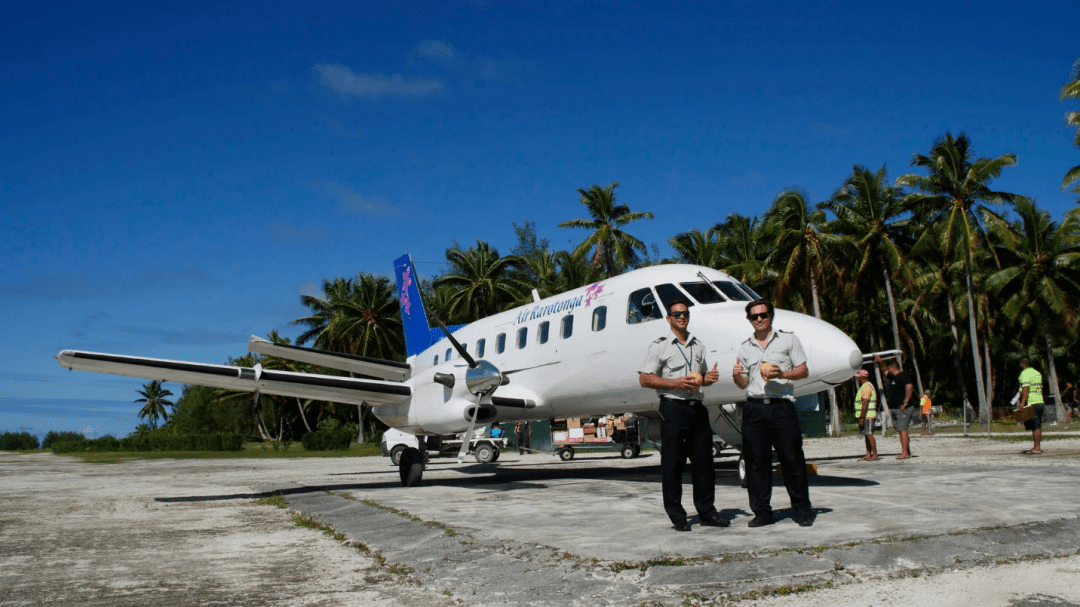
<point x="245" y="379"/>
<point x="362" y="365"/>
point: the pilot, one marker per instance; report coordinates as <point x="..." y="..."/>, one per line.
<point x="767" y="364"/>
<point x="675" y="367"/>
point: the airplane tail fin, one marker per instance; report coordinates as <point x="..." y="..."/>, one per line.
<point x="413" y="316"/>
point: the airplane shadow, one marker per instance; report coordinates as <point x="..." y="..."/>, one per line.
<point x="496" y="478"/>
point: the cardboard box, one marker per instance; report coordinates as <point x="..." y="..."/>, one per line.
<point x="559" y="437"/>
<point x="590" y="429"/>
<point x="573" y="423"/>
<point x="577" y="435"/>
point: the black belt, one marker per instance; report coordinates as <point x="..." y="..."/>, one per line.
<point x="766" y="401"/>
<point x="680" y="400"/>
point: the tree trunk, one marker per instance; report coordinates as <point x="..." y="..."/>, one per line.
<point x="363" y="410"/>
<point x="834" y="409"/>
<point x="984" y="407"/>
<point x="892" y="312"/>
<point x="1059" y="405"/>
<point x="883" y="405"/>
<point x="989" y="374"/>
<point x="300" y="405"/>
<point x="956" y="360"/>
<point x="915" y="364"/>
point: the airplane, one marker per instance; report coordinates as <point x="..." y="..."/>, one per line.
<point x="572" y="355"/>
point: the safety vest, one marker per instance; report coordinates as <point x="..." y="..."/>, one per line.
<point x="867" y="389"/>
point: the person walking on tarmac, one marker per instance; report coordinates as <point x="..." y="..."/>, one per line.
<point x="899" y="393"/>
<point x="1031" y="394"/>
<point x="767" y="364"/>
<point x="866" y="413"/>
<point x="675" y="367"/>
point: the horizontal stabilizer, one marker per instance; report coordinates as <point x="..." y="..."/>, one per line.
<point x="361" y="365"/>
<point x="245" y="379"/>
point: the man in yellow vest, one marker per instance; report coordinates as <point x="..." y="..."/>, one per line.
<point x="1031" y="395"/>
<point x="866" y="412"/>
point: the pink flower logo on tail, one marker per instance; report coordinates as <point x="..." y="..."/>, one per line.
<point x="406" y="282"/>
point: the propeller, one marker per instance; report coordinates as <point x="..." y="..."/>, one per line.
<point x="482" y="378"/>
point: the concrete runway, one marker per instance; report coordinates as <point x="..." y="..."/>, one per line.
<point x="534" y="530"/>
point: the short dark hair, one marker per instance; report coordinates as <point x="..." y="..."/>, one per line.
<point x="760" y="302"/>
<point x="1025" y="361"/>
<point x="675" y="302"/>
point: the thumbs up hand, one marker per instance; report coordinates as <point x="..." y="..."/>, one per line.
<point x="712" y="376"/>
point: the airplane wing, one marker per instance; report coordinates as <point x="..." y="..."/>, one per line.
<point x="361" y="365"/>
<point x="246" y="379"/>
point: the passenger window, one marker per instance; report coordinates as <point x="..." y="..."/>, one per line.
<point x="500" y="343"/>
<point x="567" y="325"/>
<point x="480" y="343"/>
<point x="522" y="337"/>
<point x="542" y="332"/>
<point x="447" y="354"/>
<point x="703" y="292"/>
<point x="599" y="318"/>
<point x="669" y="293"/>
<point x="436" y="359"/>
<point x="642" y="307"/>
<point x="734" y="293"/>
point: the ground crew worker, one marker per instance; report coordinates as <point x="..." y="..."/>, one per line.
<point x="767" y="364"/>
<point x="1031" y="394"/>
<point x="927" y="409"/>
<point x="866" y="413"/>
<point x="675" y="367"/>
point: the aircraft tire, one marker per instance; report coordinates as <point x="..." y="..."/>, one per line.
<point x="411" y="468"/>
<point x="395" y="454"/>
<point x="566" y="454"/>
<point x="742" y="472"/>
<point x="485" y="453"/>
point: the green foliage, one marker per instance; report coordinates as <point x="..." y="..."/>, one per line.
<point x="54" y="437"/>
<point x="328" y="440"/>
<point x="613" y="249"/>
<point x="155" y="441"/>
<point x="16" y="441"/>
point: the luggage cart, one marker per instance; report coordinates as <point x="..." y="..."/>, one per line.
<point x="565" y="437"/>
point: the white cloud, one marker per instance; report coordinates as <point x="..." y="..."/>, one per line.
<point x="347" y="83"/>
<point x="351" y="200"/>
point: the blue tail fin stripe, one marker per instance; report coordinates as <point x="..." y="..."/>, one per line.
<point x="413" y="317"/>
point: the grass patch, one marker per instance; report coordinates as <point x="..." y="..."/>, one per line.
<point x="306" y="522"/>
<point x="250" y="451"/>
<point x="277" y="501"/>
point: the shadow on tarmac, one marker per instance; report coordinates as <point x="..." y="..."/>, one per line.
<point x="493" y="477"/>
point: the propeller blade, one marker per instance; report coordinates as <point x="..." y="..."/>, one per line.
<point x="457" y="345"/>
<point x="466" y="439"/>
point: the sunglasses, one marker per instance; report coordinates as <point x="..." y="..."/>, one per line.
<point x="680" y="314"/>
<point x="753" y="317"/>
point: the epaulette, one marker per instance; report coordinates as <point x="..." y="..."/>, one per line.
<point x="783" y="331"/>
<point x="660" y="340"/>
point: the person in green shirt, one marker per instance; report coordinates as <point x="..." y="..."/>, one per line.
<point x="1031" y="394"/>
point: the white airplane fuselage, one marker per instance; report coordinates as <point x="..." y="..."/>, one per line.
<point x="594" y="371"/>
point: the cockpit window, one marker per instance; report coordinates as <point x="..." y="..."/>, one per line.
<point x="642" y="307"/>
<point x="669" y="293"/>
<point x="748" y="290"/>
<point x="733" y="292"/>
<point x="702" y="292"/>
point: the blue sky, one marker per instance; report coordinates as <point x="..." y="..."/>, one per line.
<point x="173" y="178"/>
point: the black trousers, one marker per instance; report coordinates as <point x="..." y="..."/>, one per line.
<point x="523" y="441"/>
<point x="685" y="433"/>
<point x="768" y="427"/>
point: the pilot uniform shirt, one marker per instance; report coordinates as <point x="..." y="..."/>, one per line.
<point x="670" y="359"/>
<point x="782" y="349"/>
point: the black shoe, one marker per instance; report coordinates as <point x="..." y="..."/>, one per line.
<point x="804" y="520"/>
<point x="715" y="521"/>
<point x="683" y="526"/>
<point x="760" y="520"/>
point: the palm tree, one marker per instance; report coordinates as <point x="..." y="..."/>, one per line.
<point x="155" y="398"/>
<point x="1040" y="282"/>
<point x="1072" y="91"/>
<point x="744" y="249"/>
<point x="615" y="249"/>
<point x="275" y="363"/>
<point x="955" y="192"/>
<point x="869" y="212"/>
<point x="699" y="248"/>
<point x="358" y="316"/>
<point x="802" y="253"/>
<point x="482" y="280"/>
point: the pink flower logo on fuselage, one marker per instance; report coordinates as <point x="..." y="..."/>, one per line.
<point x="592" y="293"/>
